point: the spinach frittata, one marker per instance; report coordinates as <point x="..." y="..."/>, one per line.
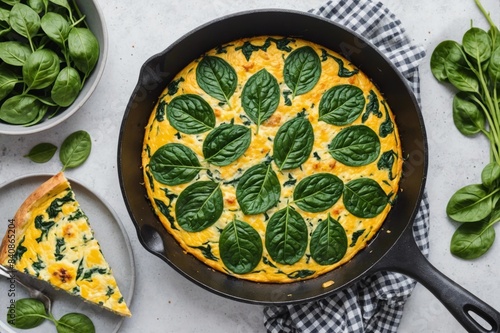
<point x="272" y="159"/>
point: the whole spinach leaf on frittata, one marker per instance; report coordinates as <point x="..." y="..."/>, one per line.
<point x="240" y="247"/>
<point x="286" y="236"/>
<point x="174" y="164"/>
<point x="328" y="242"/>
<point x="216" y="77"/>
<point x="260" y="97"/>
<point x="199" y="206"/>
<point x="302" y="70"/>
<point x="226" y="143"/>
<point x="293" y="143"/>
<point x="258" y="190"/>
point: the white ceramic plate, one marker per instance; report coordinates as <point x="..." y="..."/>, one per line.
<point x="111" y="235"/>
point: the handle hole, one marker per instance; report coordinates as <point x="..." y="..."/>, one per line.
<point x="152" y="239"/>
<point x="479" y="320"/>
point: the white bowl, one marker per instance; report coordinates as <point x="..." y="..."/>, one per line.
<point x="97" y="25"/>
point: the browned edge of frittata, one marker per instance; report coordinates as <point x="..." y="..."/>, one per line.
<point x="22" y="216"/>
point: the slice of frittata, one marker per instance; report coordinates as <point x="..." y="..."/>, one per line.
<point x="53" y="241"/>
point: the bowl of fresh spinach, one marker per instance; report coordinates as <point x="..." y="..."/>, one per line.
<point x="52" y="56"/>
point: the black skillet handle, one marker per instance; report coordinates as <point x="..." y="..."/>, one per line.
<point x="405" y="257"/>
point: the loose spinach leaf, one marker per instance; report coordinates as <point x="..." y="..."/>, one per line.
<point x="318" y="192"/>
<point x="302" y="70"/>
<point x="11" y="2"/>
<point x="25" y="21"/>
<point x="477" y="43"/>
<point x="495" y="36"/>
<point x="4" y="22"/>
<point x="341" y="105"/>
<point x="83" y="48"/>
<point x="293" y="143"/>
<point x="286" y="236"/>
<point x="217" y="78"/>
<point x="490" y="175"/>
<point x="42" y="111"/>
<point x="226" y="143"/>
<point x="8" y="81"/>
<point x="66" y="87"/>
<point x="494" y="66"/>
<point x="75" y="322"/>
<point x="37" y="5"/>
<point x="471" y="203"/>
<point x="363" y="197"/>
<point x="41" y="69"/>
<point x="64" y="4"/>
<point x="258" y="189"/>
<point x="355" y="146"/>
<point x="472" y="240"/>
<point x="42" y="152"/>
<point x="260" y="96"/>
<point x="56" y="27"/>
<point x="14" y="53"/>
<point x="29" y="313"/>
<point x="328" y="242"/>
<point x="462" y="77"/>
<point x="20" y="109"/>
<point x="199" y="206"/>
<point x="467" y="116"/>
<point x="174" y="164"/>
<point x="190" y="114"/>
<point x="240" y="247"/>
<point x="75" y="149"/>
<point x="447" y="51"/>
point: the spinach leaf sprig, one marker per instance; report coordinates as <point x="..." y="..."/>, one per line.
<point x="74" y="151"/>
<point x="31" y="313"/>
<point x="473" y="68"/>
<point x="47" y="52"/>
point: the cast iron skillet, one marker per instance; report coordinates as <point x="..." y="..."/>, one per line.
<point x="394" y="251"/>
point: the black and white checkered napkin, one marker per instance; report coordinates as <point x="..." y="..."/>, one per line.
<point x="375" y="303"/>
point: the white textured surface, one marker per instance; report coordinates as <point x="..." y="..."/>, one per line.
<point x="166" y="302"/>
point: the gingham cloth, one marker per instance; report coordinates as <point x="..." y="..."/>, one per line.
<point x="375" y="303"/>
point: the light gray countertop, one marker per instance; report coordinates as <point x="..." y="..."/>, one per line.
<point x="164" y="301"/>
